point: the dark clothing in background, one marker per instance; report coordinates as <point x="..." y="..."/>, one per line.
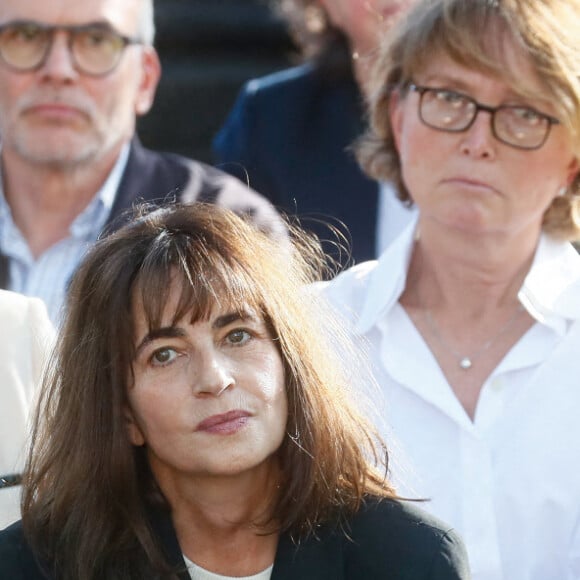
<point x="155" y="177"/>
<point x="289" y="137"/>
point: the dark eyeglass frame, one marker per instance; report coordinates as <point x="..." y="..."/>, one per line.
<point x="72" y="31"/>
<point x="477" y="107"/>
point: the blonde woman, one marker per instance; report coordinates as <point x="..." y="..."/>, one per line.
<point x="473" y="314"/>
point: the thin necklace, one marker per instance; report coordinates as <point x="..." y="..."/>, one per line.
<point x="466" y="362"/>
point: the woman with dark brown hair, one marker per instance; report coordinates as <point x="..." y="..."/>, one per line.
<point x="195" y="424"/>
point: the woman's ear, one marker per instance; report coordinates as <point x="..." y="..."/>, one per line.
<point x="396" y="116"/>
<point x="133" y="430"/>
<point x="573" y="171"/>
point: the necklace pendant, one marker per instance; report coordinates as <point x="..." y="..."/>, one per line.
<point x="465" y="363"/>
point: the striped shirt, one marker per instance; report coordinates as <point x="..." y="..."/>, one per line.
<point x="47" y="277"/>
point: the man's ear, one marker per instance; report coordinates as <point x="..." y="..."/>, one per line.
<point x="151" y="73"/>
<point x="133" y="430"/>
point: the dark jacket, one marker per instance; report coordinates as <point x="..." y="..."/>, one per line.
<point x="156" y="177"/>
<point x="289" y="137"/>
<point x="386" y="540"/>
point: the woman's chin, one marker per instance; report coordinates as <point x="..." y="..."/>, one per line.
<point x="468" y="221"/>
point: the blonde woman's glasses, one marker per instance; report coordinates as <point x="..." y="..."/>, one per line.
<point x="516" y="126"/>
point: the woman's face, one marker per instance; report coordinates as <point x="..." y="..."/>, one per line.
<point x="470" y="180"/>
<point x="209" y="398"/>
<point x="362" y="21"/>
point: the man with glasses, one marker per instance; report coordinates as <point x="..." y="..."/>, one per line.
<point x="74" y="75"/>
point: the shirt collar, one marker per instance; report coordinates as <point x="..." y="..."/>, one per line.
<point x="549" y="293"/>
<point x="388" y="279"/>
<point x="94" y="216"/>
<point x="551" y="289"/>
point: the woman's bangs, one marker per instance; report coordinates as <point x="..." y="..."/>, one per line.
<point x="206" y="280"/>
<point x="472" y="37"/>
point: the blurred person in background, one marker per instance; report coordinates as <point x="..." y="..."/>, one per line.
<point x="289" y="134"/>
<point x="473" y="313"/>
<point x="74" y="76"/>
<point x="27" y="336"/>
<point x="196" y="424"/>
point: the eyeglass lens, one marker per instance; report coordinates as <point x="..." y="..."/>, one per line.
<point x="95" y="49"/>
<point x="449" y="111"/>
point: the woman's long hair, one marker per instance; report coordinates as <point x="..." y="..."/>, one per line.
<point x="87" y="490"/>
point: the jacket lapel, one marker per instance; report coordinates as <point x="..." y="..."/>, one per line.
<point x="319" y="558"/>
<point x="162" y="526"/>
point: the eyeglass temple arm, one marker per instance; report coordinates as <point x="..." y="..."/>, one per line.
<point x="10" y="480"/>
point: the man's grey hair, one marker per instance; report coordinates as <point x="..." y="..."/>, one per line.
<point x="146" y="28"/>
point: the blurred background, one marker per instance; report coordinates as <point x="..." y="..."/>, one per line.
<point x="208" y="48"/>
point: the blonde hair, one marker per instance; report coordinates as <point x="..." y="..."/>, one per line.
<point x="472" y="32"/>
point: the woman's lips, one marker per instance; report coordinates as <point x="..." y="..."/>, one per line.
<point x="225" y="423"/>
<point x="470" y="183"/>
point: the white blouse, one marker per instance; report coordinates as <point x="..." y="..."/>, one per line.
<point x="198" y="573"/>
<point x="509" y="480"/>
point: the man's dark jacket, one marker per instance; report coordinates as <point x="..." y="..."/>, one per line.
<point x="160" y="177"/>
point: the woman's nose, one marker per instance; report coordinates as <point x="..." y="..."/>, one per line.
<point x="212" y="374"/>
<point x="478" y="140"/>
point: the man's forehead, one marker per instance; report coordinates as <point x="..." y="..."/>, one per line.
<point x="123" y="14"/>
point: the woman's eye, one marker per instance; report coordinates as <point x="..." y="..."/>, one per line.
<point x="528" y="115"/>
<point x="238" y="337"/>
<point x="451" y="98"/>
<point x="163" y="356"/>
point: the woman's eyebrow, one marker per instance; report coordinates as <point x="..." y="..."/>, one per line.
<point x="444" y="79"/>
<point x="164" y="332"/>
<point x="178" y="332"/>
<point x="460" y="85"/>
<point x="230" y="317"/>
